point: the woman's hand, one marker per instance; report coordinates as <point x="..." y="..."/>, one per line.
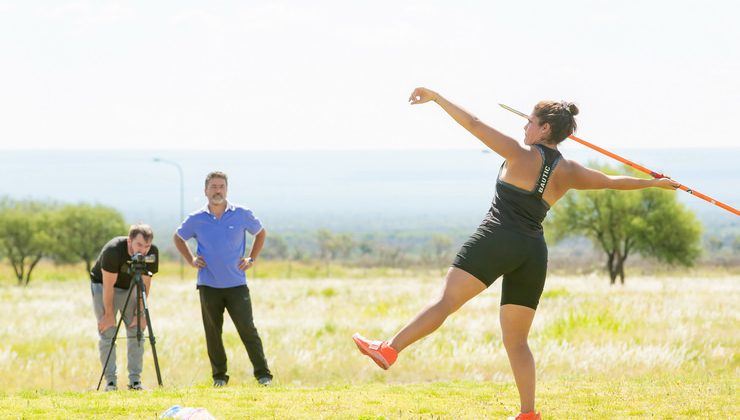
<point x="422" y="95"/>
<point x="666" y="183"/>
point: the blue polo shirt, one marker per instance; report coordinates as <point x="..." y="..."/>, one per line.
<point x="221" y="243"/>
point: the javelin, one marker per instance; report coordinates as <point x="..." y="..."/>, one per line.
<point x="638" y="167"/>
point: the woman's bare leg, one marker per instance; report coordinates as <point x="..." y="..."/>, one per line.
<point x="459" y="288"/>
<point x="515" y="323"/>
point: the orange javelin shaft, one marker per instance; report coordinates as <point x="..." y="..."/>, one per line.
<point x="639" y="167"/>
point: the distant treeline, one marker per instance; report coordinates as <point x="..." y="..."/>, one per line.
<point x="32" y="230"/>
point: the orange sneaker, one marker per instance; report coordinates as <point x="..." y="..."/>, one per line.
<point x="381" y="353"/>
<point x="527" y="416"/>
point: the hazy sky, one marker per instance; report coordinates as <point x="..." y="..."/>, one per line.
<point x="290" y="75"/>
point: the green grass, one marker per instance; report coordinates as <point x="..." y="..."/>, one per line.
<point x="555" y="293"/>
<point x="588" y="323"/>
<point x="595" y="398"/>
<point x="658" y="347"/>
<point x="47" y="271"/>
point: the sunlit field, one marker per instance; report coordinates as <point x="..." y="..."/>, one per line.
<point x="648" y="337"/>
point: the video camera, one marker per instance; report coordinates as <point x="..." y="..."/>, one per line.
<point x="138" y="262"/>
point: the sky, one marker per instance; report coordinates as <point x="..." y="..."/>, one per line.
<point x="336" y="75"/>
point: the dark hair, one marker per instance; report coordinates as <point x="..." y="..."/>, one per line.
<point x="216" y="174"/>
<point x="141" y="229"/>
<point x="560" y="116"/>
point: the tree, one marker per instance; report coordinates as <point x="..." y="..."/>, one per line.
<point x="343" y="245"/>
<point x="331" y="246"/>
<point x="441" y="245"/>
<point x="649" y="222"/>
<point x="24" y="235"/>
<point x="276" y="247"/>
<point x="714" y="243"/>
<point x="81" y="230"/>
<point x="391" y="256"/>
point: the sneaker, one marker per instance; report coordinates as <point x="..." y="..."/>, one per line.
<point x="136" y="386"/>
<point x="265" y="381"/>
<point x="381" y="353"/>
<point x="218" y="383"/>
<point x="111" y="386"/>
<point x="527" y="416"/>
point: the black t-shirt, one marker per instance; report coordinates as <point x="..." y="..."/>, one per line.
<point x="113" y="259"/>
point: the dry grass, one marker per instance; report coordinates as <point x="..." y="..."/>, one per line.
<point x="653" y="326"/>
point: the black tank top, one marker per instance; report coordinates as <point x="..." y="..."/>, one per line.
<point x="520" y="210"/>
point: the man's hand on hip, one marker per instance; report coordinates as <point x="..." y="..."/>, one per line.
<point x="246" y="263"/>
<point x="198" y="262"/>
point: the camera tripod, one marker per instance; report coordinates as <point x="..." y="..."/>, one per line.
<point x="138" y="284"/>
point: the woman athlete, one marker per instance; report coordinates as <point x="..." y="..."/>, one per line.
<point x="510" y="240"/>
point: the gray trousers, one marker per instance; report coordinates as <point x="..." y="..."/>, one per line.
<point x="135" y="348"/>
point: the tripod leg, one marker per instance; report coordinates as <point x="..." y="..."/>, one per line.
<point x="113" y="339"/>
<point x="135" y="340"/>
<point x="152" y="339"/>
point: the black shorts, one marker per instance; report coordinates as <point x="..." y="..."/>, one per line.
<point x="522" y="260"/>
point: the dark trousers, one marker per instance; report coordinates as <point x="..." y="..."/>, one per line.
<point x="235" y="300"/>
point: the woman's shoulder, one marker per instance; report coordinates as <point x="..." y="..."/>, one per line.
<point x="527" y="153"/>
<point x="568" y="166"/>
<point x="566" y="171"/>
<point x="536" y="152"/>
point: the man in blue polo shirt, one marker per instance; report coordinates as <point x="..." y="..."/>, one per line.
<point x="220" y="228"/>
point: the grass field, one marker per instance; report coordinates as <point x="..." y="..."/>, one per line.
<point x="659" y="347"/>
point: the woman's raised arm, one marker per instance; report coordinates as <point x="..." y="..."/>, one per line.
<point x="500" y="143"/>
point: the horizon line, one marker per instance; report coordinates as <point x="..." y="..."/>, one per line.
<point x="302" y="150"/>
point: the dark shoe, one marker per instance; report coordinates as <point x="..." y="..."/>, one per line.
<point x="219" y="383"/>
<point x="265" y="381"/>
<point x="111" y="387"/>
<point x="136" y="386"/>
